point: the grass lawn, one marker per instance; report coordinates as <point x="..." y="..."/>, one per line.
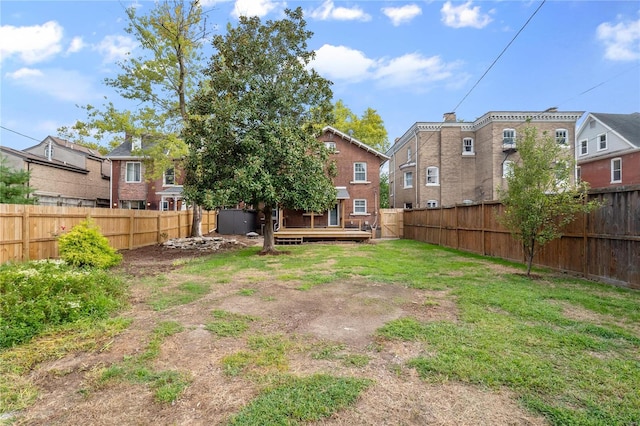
<point x="565" y="348"/>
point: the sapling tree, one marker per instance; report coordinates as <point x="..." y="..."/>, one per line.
<point x="14" y="185"/>
<point x="252" y="125"/>
<point x="540" y="197"/>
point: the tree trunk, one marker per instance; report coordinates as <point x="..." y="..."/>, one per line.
<point x="529" y="252"/>
<point x="269" y="245"/>
<point x="196" y="223"/>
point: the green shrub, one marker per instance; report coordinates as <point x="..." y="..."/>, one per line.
<point x="35" y="296"/>
<point x="84" y="245"/>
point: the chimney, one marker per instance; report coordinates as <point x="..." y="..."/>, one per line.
<point x="449" y="116"/>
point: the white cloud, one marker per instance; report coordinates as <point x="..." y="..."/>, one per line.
<point x="257" y="8"/>
<point x="115" y="47"/>
<point x="68" y="86"/>
<point x="464" y="16"/>
<point x="622" y="40"/>
<point x="401" y="15"/>
<point x="32" y="44"/>
<point x="342" y="63"/>
<point x="76" y="45"/>
<point x="208" y="3"/>
<point x="328" y="11"/>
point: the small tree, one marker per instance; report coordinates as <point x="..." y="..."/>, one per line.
<point x="14" y="185"/>
<point x="252" y="124"/>
<point x="384" y="190"/>
<point x="540" y="198"/>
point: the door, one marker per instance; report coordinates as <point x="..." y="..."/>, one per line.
<point x="334" y="215"/>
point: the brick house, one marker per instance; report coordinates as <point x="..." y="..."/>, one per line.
<point x="357" y="183"/>
<point x="450" y="162"/>
<point x="63" y="173"/>
<point x="608" y="149"/>
<point x="132" y="189"/>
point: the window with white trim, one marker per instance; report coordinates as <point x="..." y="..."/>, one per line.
<point x="467" y="146"/>
<point x="602" y="142"/>
<point x="48" y="151"/>
<point x="562" y="137"/>
<point x="331" y="146"/>
<point x="616" y="170"/>
<point x="359" y="206"/>
<point x="360" y="172"/>
<point x="408" y="154"/>
<point x="584" y="147"/>
<point x="433" y="176"/>
<point x="133" y="172"/>
<point x="132" y="204"/>
<point x="408" y="179"/>
<point x="507" y="168"/>
<point x="509" y="137"/>
<point x="432" y="203"/>
<point x="169" y="177"/>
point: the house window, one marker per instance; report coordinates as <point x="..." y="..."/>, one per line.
<point x="408" y="179"/>
<point x="433" y="177"/>
<point x="169" y="177"/>
<point x="562" y="137"/>
<point x="134" y="173"/>
<point x="132" y="204"/>
<point x="578" y="174"/>
<point x="602" y="142"/>
<point x="584" y="147"/>
<point x="507" y="168"/>
<point x="359" y="206"/>
<point x="408" y="205"/>
<point x="331" y="146"/>
<point x="432" y="203"/>
<point x="136" y="143"/>
<point x="48" y="151"/>
<point x="360" y="172"/>
<point x="616" y="170"/>
<point x="509" y="137"/>
<point x="467" y="146"/>
<point x="562" y="172"/>
<point x="409" y="155"/>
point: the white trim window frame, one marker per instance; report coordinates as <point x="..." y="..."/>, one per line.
<point x="467" y="146"/>
<point x="331" y="146"/>
<point x="408" y="154"/>
<point x="360" y="207"/>
<point x="433" y="176"/>
<point x="432" y="204"/>
<point x="408" y="180"/>
<point x="584" y="147"/>
<point x="616" y="170"/>
<point x="602" y="141"/>
<point x="509" y="137"/>
<point x="359" y="171"/>
<point x="133" y="172"/>
<point x="562" y="137"/>
<point x="507" y="168"/>
<point x="169" y="177"/>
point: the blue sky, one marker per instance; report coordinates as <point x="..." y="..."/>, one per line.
<point x="409" y="60"/>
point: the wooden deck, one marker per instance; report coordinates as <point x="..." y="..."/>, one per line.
<point x="300" y="235"/>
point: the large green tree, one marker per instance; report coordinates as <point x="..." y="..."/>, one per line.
<point x="159" y="82"/>
<point x="540" y="197"/>
<point x="252" y="124"/>
<point x="14" y="185"/>
<point x="369" y="128"/>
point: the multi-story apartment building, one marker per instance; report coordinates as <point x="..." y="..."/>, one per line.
<point x="608" y="149"/>
<point x="451" y="162"/>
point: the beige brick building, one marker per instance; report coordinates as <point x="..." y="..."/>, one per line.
<point x="452" y="162"/>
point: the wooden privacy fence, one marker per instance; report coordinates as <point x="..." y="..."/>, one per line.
<point x="30" y="232"/>
<point x="602" y="245"/>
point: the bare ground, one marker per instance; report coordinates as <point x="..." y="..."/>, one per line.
<point x="345" y="313"/>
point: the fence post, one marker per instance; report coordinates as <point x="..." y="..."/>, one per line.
<point x="158" y="223"/>
<point x="25" y="234"/>
<point x="131" y="224"/>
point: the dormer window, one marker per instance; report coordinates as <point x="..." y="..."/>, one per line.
<point x="136" y="143"/>
<point x="48" y="151"/>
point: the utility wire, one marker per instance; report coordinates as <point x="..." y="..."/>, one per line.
<point x="18" y="133"/>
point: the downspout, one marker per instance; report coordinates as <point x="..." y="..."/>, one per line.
<point x="415" y="133"/>
<point x="110" y="184"/>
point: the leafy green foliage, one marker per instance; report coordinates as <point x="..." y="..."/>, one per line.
<point x="85" y="246"/>
<point x="384" y="191"/>
<point x="35" y="296"/>
<point x="251" y="132"/>
<point x="540" y="198"/>
<point x="14" y="185"/>
<point x="302" y="400"/>
<point x="369" y="128"/>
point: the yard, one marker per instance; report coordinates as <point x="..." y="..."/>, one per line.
<point x="392" y="332"/>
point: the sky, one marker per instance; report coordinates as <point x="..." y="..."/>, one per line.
<point x="410" y="61"/>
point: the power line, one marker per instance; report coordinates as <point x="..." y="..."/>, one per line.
<point x="18" y="133"/>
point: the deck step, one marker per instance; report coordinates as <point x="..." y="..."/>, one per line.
<point x="288" y="240"/>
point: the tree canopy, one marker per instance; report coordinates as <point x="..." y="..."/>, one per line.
<point x="541" y="197"/>
<point x="14" y="185"/>
<point x="253" y="123"/>
<point x="369" y="128"/>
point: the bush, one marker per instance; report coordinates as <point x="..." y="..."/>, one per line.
<point x="84" y="245"/>
<point x="37" y="295"/>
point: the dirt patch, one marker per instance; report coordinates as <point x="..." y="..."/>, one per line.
<point x="344" y="314"/>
